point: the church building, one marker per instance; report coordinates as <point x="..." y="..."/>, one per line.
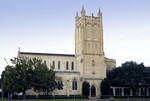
<point x="87" y="64"/>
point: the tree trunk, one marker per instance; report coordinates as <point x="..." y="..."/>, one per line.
<point x="2" y="94"/>
<point x="11" y="96"/>
<point x="24" y="95"/>
<point x="8" y="96"/>
<point x="47" y="93"/>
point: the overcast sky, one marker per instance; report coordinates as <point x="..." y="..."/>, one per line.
<point x="48" y="26"/>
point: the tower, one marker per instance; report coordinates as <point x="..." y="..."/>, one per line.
<point x="89" y="50"/>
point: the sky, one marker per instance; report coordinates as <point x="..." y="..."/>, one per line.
<point x="48" y="26"/>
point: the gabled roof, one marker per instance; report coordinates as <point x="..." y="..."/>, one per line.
<point x="46" y="54"/>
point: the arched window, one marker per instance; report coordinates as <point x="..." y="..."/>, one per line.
<point x="72" y="65"/>
<point x="58" y="64"/>
<point x="74" y="84"/>
<point x="79" y="33"/>
<point x="95" y="32"/>
<point x="59" y="84"/>
<point x="88" y="31"/>
<point x="67" y="65"/>
<point x="53" y="65"/>
<point x="93" y="63"/>
<point x="95" y="46"/>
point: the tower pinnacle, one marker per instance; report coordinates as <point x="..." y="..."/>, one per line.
<point x="77" y="16"/>
<point x="83" y="8"/>
<point x="83" y="11"/>
<point x="99" y="13"/>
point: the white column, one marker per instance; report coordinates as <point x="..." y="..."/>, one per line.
<point x="139" y="91"/>
<point x="122" y="91"/>
<point x="96" y="91"/>
<point x="80" y="87"/>
<point x="68" y="88"/>
<point x="147" y="91"/>
<point x="131" y="92"/>
<point x="90" y="91"/>
<point x="114" y="91"/>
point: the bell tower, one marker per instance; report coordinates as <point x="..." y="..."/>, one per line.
<point x="89" y="49"/>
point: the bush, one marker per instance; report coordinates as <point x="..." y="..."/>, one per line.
<point x="85" y="88"/>
<point x="105" y="88"/>
<point x="51" y="97"/>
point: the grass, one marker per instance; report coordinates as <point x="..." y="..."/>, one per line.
<point x="46" y="100"/>
<point x="114" y="99"/>
<point x="130" y="99"/>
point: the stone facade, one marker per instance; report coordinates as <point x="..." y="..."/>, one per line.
<point x="88" y="63"/>
<point x="110" y="64"/>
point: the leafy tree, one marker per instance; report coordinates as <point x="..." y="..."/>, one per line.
<point x="8" y="80"/>
<point x="105" y="88"/>
<point x="44" y="77"/>
<point x="85" y="88"/>
<point x="24" y="74"/>
<point x="130" y="74"/>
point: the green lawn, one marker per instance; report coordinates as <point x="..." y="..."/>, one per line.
<point x="114" y="99"/>
<point x="131" y="99"/>
<point x="47" y="100"/>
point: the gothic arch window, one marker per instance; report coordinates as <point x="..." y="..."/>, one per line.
<point x="72" y="65"/>
<point x="58" y="64"/>
<point x="93" y="63"/>
<point x="59" y="83"/>
<point x="88" y="49"/>
<point x="88" y="31"/>
<point x="96" y="24"/>
<point x="53" y="65"/>
<point x="96" y="46"/>
<point x="88" y="45"/>
<point x="67" y="65"/>
<point x="77" y="33"/>
<point x="44" y="61"/>
<point x="74" y="84"/>
<point x="95" y="32"/>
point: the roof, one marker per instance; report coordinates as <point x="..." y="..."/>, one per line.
<point x="46" y="54"/>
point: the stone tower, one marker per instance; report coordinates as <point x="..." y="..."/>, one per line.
<point x="89" y="50"/>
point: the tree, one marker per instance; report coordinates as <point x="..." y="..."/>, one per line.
<point x="131" y="75"/>
<point x="85" y="88"/>
<point x="105" y="88"/>
<point x="8" y="80"/>
<point x="34" y="73"/>
<point x="44" y="77"/>
<point x="24" y="74"/>
<point x="29" y="73"/>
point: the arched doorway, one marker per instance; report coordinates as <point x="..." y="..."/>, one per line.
<point x="93" y="91"/>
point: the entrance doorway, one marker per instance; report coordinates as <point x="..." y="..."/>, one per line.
<point x="93" y="91"/>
